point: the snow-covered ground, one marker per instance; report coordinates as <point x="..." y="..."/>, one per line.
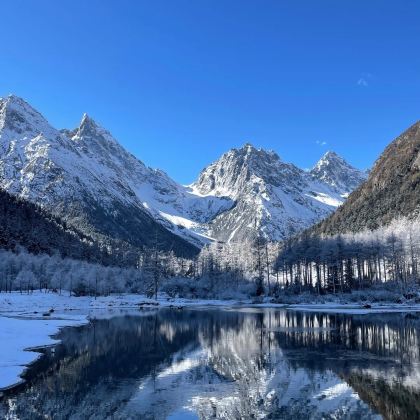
<point x="34" y="304"/>
<point x="17" y="335"/>
<point x="28" y="321"/>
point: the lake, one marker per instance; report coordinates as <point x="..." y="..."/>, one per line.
<point x="227" y="364"/>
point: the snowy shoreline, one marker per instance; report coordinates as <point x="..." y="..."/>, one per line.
<point x="22" y="331"/>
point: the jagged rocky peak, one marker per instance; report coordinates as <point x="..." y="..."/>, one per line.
<point x="330" y="159"/>
<point x="94" y="139"/>
<point x="252" y="155"/>
<point x="228" y="175"/>
<point x="16" y="115"/>
<point x="339" y="174"/>
<point x="90" y="129"/>
<point x="87" y="123"/>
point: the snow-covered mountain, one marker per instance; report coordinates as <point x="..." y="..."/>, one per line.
<point x="86" y="177"/>
<point x="83" y="175"/>
<point x="336" y="172"/>
<point x="169" y="203"/>
<point x="273" y="196"/>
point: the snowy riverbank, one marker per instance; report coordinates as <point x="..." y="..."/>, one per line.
<point x="28" y="321"/>
<point x="19" y="334"/>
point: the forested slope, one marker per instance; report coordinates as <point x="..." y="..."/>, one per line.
<point x="27" y="225"/>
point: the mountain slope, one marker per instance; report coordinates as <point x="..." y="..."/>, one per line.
<point x="275" y="197"/>
<point x="82" y="176"/>
<point x="392" y="189"/>
<point x="23" y="224"/>
<point x="169" y="203"/>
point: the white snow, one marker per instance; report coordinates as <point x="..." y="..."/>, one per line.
<point x="18" y="335"/>
<point x="327" y="199"/>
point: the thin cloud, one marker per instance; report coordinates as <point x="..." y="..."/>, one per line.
<point x="364" y="80"/>
<point x="321" y="143"/>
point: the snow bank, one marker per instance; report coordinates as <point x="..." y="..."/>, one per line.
<point x="37" y="302"/>
<point x="17" y="336"/>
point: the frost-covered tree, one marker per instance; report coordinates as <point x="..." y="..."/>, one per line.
<point x="353" y="260"/>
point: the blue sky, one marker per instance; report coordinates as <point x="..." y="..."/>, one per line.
<point x="179" y="82"/>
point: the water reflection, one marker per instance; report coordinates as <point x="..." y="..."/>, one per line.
<point x="228" y="365"/>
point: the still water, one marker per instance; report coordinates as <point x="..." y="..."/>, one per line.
<point x="227" y="364"/>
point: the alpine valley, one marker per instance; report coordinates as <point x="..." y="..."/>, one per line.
<point x="86" y="178"/>
<point x="177" y="240"/>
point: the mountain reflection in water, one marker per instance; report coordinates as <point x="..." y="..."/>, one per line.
<point x="227" y="364"/>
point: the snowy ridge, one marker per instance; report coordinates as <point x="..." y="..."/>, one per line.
<point x="85" y="176"/>
<point x="275" y="197"/>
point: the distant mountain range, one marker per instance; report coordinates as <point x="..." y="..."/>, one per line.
<point x="86" y="178"/>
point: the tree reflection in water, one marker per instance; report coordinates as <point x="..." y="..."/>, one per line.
<point x="231" y="364"/>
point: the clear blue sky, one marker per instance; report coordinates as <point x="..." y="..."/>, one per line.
<point x="178" y="82"/>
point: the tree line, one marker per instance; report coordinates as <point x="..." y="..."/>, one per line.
<point x="42" y="251"/>
<point x="349" y="261"/>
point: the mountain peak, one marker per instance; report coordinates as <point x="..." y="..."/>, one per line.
<point x="18" y="104"/>
<point x="332" y="161"/>
<point x="336" y="172"/>
<point x="87" y="122"/>
<point x="241" y="169"/>
<point x="331" y="156"/>
<point x="248" y="147"/>
<point x="12" y="98"/>
<point x="244" y="150"/>
<point x="248" y="154"/>
<point x="85" y="118"/>
<point x="90" y="129"/>
<point x="16" y="115"/>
